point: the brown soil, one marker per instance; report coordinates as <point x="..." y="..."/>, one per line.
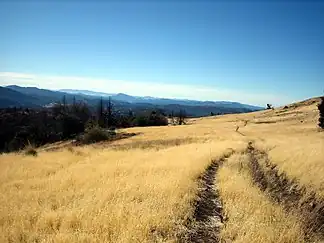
<point x="208" y="215"/>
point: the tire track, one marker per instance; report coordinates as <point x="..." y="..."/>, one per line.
<point x="288" y="193"/>
<point x="208" y="214"/>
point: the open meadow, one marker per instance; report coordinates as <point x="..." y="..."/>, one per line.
<point x="265" y="169"/>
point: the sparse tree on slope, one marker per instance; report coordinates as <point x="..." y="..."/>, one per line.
<point x="181" y="117"/>
<point x="269" y="106"/>
<point x="110" y="117"/>
<point x="100" y="113"/>
<point x="171" y="116"/>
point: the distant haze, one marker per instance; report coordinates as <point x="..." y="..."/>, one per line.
<point x="161" y="90"/>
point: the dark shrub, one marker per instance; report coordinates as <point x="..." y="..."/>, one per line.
<point x="124" y="121"/>
<point x="321" y="113"/>
<point x="153" y="119"/>
<point x="112" y="131"/>
<point x="91" y="123"/>
<point x="71" y="125"/>
<point x="157" y="119"/>
<point x="16" y="143"/>
<point x="96" y="134"/>
<point x="140" y="121"/>
<point x="30" y="150"/>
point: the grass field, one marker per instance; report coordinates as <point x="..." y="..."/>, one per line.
<point x="143" y="188"/>
<point x="252" y="217"/>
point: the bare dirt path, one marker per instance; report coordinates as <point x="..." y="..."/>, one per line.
<point x="288" y="193"/>
<point x="208" y="215"/>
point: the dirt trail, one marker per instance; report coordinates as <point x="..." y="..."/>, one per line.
<point x="207" y="218"/>
<point x="292" y="196"/>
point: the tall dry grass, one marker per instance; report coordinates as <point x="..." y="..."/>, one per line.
<point x="140" y="189"/>
<point x="101" y="195"/>
<point x="291" y="138"/>
<point x="300" y="157"/>
<point x="251" y="216"/>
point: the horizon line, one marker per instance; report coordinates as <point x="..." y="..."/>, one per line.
<point x="142" y="89"/>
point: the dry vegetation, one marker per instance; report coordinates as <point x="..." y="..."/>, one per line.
<point x="300" y="157"/>
<point x="252" y="217"/>
<point x="142" y="188"/>
<point x="96" y="195"/>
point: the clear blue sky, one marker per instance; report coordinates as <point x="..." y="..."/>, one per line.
<point x="253" y="52"/>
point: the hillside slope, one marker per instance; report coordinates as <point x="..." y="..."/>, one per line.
<point x="261" y="171"/>
<point x="11" y="98"/>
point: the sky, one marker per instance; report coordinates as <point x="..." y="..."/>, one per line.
<point x="253" y="52"/>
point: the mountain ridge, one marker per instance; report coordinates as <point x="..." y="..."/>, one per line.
<point x="159" y="100"/>
<point x="33" y="97"/>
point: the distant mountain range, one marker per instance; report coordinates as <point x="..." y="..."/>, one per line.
<point x="161" y="101"/>
<point x="33" y="97"/>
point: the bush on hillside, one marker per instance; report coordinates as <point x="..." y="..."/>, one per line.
<point x="30" y="150"/>
<point x="71" y="125"/>
<point x="97" y="134"/>
<point x="153" y="119"/>
<point x="321" y="113"/>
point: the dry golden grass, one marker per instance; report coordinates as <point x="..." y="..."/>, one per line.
<point x="296" y="147"/>
<point x="140" y="189"/>
<point x="300" y="157"/>
<point x="292" y="139"/>
<point x="97" y="195"/>
<point x="251" y="216"/>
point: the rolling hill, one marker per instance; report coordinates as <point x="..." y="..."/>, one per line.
<point x="10" y="97"/>
<point x="254" y="177"/>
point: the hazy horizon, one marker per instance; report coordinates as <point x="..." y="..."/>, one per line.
<point x="172" y="91"/>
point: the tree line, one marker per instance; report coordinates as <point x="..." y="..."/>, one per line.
<point x="22" y="126"/>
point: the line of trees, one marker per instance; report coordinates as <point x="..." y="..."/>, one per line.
<point x="20" y="127"/>
<point x="109" y="117"/>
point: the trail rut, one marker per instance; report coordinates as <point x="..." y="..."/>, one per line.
<point x="293" y="197"/>
<point x="208" y="215"/>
